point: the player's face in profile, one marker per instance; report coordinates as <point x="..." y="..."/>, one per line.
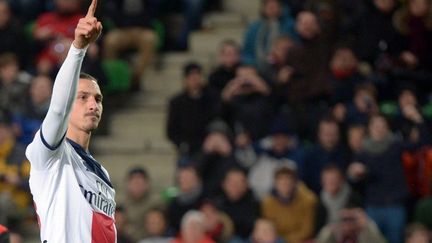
<point x="87" y="109"/>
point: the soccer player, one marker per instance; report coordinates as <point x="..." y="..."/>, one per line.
<point x="72" y="192"/>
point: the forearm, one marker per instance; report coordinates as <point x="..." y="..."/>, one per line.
<point x="54" y="125"/>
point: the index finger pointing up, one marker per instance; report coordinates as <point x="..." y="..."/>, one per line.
<point x="92" y="9"/>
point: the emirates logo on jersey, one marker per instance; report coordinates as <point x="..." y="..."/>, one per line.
<point x="101" y="200"/>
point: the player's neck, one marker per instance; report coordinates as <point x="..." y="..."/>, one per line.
<point x="81" y="138"/>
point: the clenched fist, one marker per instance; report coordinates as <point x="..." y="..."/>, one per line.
<point x="88" y="28"/>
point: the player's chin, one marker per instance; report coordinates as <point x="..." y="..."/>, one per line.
<point x="91" y="126"/>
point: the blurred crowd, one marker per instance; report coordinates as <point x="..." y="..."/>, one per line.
<point x="316" y="128"/>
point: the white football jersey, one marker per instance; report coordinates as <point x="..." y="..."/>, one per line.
<point x="73" y="195"/>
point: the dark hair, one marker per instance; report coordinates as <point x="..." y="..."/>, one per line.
<point x="229" y="42"/>
<point x="368" y="87"/>
<point x="88" y="77"/>
<point x="331" y="167"/>
<point x="8" y="58"/>
<point x="287" y="171"/>
<point x="138" y="171"/>
<point x="235" y="169"/>
<point x="191" y="67"/>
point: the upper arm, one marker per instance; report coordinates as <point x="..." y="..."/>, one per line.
<point x="40" y="153"/>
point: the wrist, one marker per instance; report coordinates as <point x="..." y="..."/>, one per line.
<point x="79" y="44"/>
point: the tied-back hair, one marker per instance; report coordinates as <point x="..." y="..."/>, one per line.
<point x="87" y="76"/>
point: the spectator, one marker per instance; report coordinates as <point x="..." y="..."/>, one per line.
<point x="261" y="34"/>
<point x="229" y="60"/>
<point x="413" y="21"/>
<point x="11" y="38"/>
<point x="239" y="203"/>
<point x="30" y="118"/>
<point x="291" y="207"/>
<point x="216" y="157"/>
<point x="274" y="69"/>
<point x="362" y="107"/>
<point x="15" y="168"/>
<point x="156" y="226"/>
<point x="417" y="233"/>
<point x="328" y="150"/>
<point x="355" y="137"/>
<point x="280" y="147"/>
<point x="190" y="195"/>
<point x="14" y="83"/>
<point x="138" y="200"/>
<point x="423" y="212"/>
<point x="133" y="31"/>
<point x="193" y="229"/>
<point x="55" y="32"/>
<point x="353" y="225"/>
<point x="264" y="232"/>
<point x="344" y="74"/>
<point x="335" y="195"/>
<point x="377" y="41"/>
<point x="308" y="62"/>
<point x="247" y="103"/>
<point x="190" y="112"/>
<point x="217" y="224"/>
<point x="381" y="168"/>
<point x="122" y="225"/>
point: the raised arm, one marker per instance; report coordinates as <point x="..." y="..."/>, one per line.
<point x="55" y="123"/>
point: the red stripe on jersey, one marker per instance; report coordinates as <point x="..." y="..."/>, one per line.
<point x="103" y="230"/>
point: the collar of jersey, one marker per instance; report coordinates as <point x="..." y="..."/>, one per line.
<point x="90" y="163"/>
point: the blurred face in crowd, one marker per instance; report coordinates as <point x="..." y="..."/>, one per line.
<point x="235" y="185"/>
<point x="332" y="181"/>
<point x="407" y="98"/>
<point x="245" y="72"/>
<point x="217" y="143"/>
<point x="364" y="100"/>
<point x="344" y="61"/>
<point x="9" y="72"/>
<point x="348" y="224"/>
<point x="68" y="6"/>
<point x="87" y="108"/>
<point x="155" y="223"/>
<point x="378" y="128"/>
<point x="211" y="215"/>
<point x="280" y="143"/>
<point x="419" y="8"/>
<point x="40" y="90"/>
<point x="229" y="55"/>
<point x="280" y="49"/>
<point x="264" y="232"/>
<point x="137" y="186"/>
<point x="5" y="13"/>
<point x="188" y="180"/>
<point x="285" y="185"/>
<point x="307" y="25"/>
<point x="272" y="9"/>
<point x="194" y="81"/>
<point x="356" y="135"/>
<point x="328" y="134"/>
<point x="385" y="6"/>
<point x="192" y="228"/>
<point x="418" y="236"/>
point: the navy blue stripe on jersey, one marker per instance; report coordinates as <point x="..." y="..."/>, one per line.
<point x="48" y="145"/>
<point x="90" y="163"/>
